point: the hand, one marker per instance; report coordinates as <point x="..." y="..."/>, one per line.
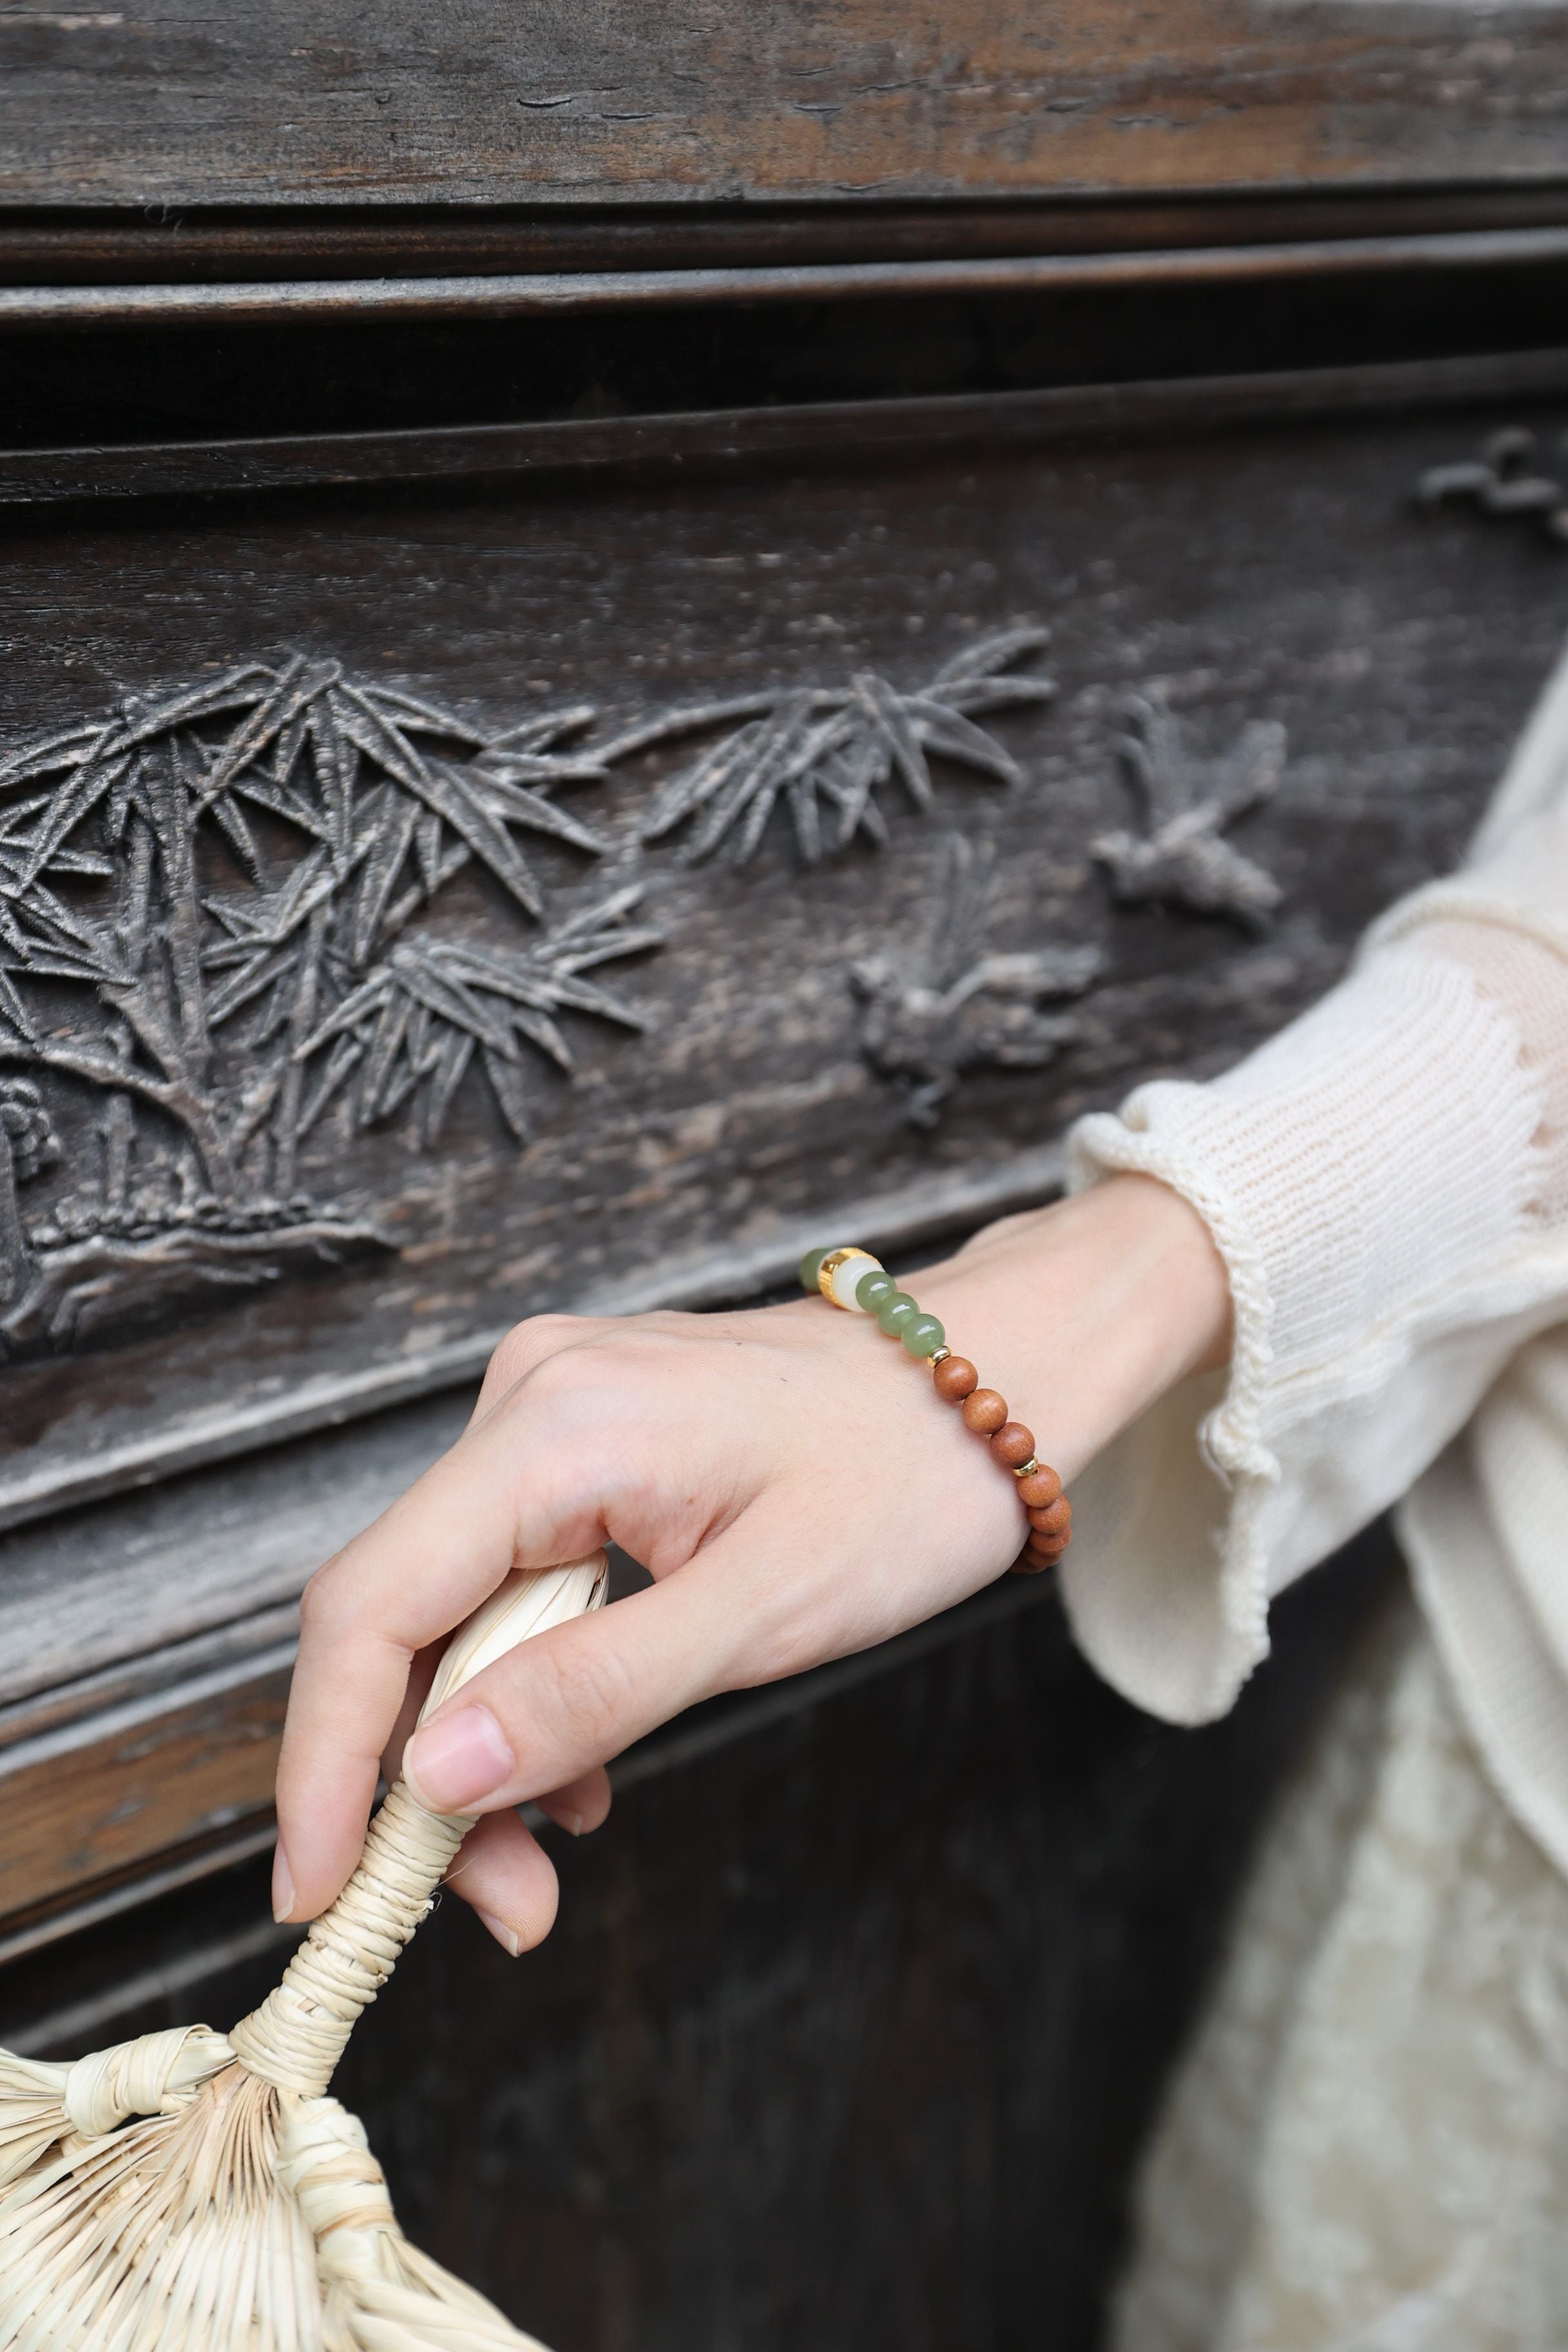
<point x="787" y="1475"/>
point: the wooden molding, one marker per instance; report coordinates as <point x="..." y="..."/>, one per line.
<point x="315" y="101"/>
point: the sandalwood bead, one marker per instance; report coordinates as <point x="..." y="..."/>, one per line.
<point x="955" y="1379"/>
<point x="1027" y="1565"/>
<point x="1013" y="1444"/>
<point x="983" y="1412"/>
<point x="1056" y="1519"/>
<point x="1040" y="1488"/>
<point x="1044" y="1555"/>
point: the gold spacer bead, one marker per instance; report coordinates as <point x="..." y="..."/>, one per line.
<point x="1028" y="1469"/>
<point x="833" y="1261"/>
<point x="939" y="1356"/>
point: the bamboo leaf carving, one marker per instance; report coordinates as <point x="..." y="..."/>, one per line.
<point x="221" y="904"/>
<point x="240" y="999"/>
<point x="828" y="753"/>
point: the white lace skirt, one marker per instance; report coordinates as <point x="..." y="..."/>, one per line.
<point x="1366" y="2147"/>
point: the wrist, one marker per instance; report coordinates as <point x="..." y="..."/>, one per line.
<point x="1084" y="1313"/>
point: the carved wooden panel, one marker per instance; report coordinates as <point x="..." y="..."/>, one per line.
<point x="423" y="912"/>
<point x="185" y="104"/>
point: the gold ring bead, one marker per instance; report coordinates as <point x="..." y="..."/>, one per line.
<point x="850" y="1277"/>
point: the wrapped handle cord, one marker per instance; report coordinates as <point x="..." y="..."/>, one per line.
<point x="300" y="2031"/>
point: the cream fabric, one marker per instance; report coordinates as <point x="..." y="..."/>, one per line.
<point x="1387" y="1180"/>
<point x="1366" y="2147"/>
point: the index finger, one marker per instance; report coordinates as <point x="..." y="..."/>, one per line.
<point x="424" y="1567"/>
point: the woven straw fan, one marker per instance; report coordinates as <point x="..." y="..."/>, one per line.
<point x="186" y="2192"/>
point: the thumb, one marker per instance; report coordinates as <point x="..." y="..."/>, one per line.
<point x="574" y="1696"/>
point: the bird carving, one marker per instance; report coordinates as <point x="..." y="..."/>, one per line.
<point x="1182" y="858"/>
<point x="951" y="1003"/>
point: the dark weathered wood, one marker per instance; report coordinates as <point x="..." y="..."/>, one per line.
<point x="1280" y="574"/>
<point x="853" y="2021"/>
<point x="281" y="100"/>
<point x="541" y="295"/>
<point x="85" y="246"/>
<point x="125" y="1784"/>
<point x="984" y="422"/>
<point x="62" y="1607"/>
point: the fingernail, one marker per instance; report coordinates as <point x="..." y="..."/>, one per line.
<point x="572" y="1823"/>
<point x="455" y="1761"/>
<point x="282" y="1886"/>
<point x="508" y="1938"/>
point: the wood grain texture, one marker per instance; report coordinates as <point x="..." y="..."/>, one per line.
<point x="97" y="1798"/>
<point x="84" y="244"/>
<point x="1277" y="574"/>
<point x="549" y="294"/>
<point x="130" y="1781"/>
<point x="192" y="104"/>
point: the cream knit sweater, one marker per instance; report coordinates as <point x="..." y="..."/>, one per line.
<point x="1387" y="1182"/>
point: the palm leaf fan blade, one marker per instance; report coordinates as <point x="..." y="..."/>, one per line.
<point x="199" y="2192"/>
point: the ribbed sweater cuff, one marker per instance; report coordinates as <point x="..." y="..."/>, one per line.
<point x="1376" y="1152"/>
<point x="1374" y="1157"/>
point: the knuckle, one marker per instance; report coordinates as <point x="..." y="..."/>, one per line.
<point x="589" y="1370"/>
<point x="590" y="1692"/>
<point x="318" y="1603"/>
<point x="525" y="1345"/>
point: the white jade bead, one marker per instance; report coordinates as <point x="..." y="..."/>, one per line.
<point x="844" y="1277"/>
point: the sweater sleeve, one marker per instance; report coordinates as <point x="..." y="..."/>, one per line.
<point x="1388" y="1184"/>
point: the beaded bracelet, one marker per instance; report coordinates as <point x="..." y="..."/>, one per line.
<point x="853" y="1278"/>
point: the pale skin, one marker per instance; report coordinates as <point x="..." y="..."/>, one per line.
<point x="787" y="1475"/>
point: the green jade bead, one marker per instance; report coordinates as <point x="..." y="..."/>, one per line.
<point x="810" y="1268"/>
<point x="924" y="1336"/>
<point x="895" y="1312"/>
<point x="873" y="1288"/>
